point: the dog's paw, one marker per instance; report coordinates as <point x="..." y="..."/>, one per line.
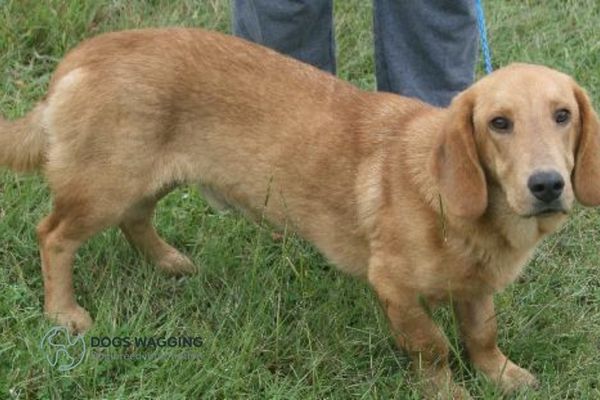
<point x="454" y="392"/>
<point x="439" y="385"/>
<point x="460" y="393"/>
<point x="514" y="378"/>
<point x="76" y="319"/>
<point x="175" y="263"/>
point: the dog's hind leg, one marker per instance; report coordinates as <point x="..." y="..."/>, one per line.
<point x="60" y="234"/>
<point x="138" y="229"/>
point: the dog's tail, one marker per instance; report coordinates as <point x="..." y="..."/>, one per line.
<point x="23" y="141"/>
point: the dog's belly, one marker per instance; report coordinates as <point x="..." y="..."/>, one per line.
<point x="334" y="235"/>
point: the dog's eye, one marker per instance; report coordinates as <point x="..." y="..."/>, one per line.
<point x="501" y="124"/>
<point x="562" y="116"/>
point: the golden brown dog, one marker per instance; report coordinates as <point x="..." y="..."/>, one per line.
<point x="430" y="205"/>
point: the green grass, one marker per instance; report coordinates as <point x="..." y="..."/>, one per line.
<point x="277" y="321"/>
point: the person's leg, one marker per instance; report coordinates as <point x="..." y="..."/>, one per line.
<point x="425" y="48"/>
<point x="302" y="29"/>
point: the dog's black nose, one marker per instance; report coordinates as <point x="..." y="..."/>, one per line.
<point x="546" y="186"/>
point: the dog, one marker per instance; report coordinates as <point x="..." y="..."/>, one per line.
<point x="429" y="205"/>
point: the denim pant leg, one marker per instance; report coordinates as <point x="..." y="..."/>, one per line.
<point x="302" y="29"/>
<point x="425" y="48"/>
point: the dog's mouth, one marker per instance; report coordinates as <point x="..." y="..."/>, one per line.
<point x="547" y="211"/>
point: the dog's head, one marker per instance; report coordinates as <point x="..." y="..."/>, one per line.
<point x="529" y="130"/>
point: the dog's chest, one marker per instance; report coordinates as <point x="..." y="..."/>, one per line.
<point x="498" y="252"/>
<point x="500" y="267"/>
<point x="491" y="259"/>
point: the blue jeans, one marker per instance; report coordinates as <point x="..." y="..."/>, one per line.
<point x="423" y="48"/>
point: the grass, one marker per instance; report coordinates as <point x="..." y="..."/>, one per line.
<point x="276" y="320"/>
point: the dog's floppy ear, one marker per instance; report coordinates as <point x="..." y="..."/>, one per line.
<point x="586" y="174"/>
<point x="455" y="163"/>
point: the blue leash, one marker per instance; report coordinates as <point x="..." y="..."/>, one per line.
<point x="485" y="48"/>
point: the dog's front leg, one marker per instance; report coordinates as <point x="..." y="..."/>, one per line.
<point x="417" y="334"/>
<point x="477" y="319"/>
